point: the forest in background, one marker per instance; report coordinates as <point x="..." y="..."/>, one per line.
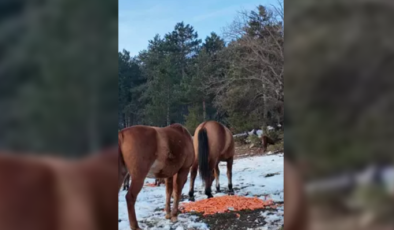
<point x="236" y="78"/>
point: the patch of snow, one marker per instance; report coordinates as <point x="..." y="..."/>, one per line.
<point x="260" y="228"/>
<point x="259" y="132"/>
<point x="388" y="178"/>
<point x="248" y="180"/>
<point x="270" y="128"/>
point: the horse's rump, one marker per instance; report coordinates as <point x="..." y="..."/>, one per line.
<point x="220" y="139"/>
<point x="163" y="150"/>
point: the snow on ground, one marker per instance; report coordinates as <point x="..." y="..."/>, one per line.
<point x="255" y="176"/>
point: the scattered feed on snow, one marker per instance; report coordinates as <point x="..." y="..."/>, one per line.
<point x="224" y="204"/>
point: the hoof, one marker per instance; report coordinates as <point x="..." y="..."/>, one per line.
<point x="231" y="193"/>
<point x="168" y="216"/>
<point x="174" y="219"/>
<point x="192" y="199"/>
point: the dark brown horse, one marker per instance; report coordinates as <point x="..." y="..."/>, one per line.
<point x="213" y="143"/>
<point x="154" y="152"/>
<point x="265" y="141"/>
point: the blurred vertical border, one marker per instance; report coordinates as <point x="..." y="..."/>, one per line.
<point x="58" y="114"/>
<point x="339" y="98"/>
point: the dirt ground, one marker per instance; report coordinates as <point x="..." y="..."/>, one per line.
<point x="229" y="221"/>
<point x="245" y="151"/>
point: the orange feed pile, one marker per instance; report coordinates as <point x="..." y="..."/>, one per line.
<point x="150" y="185"/>
<point x="225" y="203"/>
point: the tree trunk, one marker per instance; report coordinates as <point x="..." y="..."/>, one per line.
<point x="264" y="106"/>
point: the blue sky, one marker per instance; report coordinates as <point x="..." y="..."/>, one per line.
<point x="141" y="20"/>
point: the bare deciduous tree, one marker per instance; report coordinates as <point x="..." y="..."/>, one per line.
<point x="255" y="64"/>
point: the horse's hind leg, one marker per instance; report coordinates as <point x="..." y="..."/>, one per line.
<point x="193" y="175"/>
<point x="169" y="188"/>
<point x="180" y="180"/>
<point x="217" y="173"/>
<point x="230" y="175"/>
<point x="131" y="197"/>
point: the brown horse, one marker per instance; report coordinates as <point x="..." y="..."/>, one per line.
<point x="265" y="141"/>
<point x="154" y="152"/>
<point x="213" y="142"/>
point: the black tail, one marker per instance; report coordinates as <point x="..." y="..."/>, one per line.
<point x="203" y="156"/>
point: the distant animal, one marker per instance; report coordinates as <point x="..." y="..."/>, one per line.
<point x="265" y="141"/>
<point x="153" y="152"/>
<point x="159" y="181"/>
<point x="126" y="182"/>
<point x="213" y="143"/>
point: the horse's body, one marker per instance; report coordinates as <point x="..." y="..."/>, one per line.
<point x="155" y="153"/>
<point x="213" y="142"/>
<point x="54" y="194"/>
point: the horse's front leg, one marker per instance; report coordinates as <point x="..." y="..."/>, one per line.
<point x="169" y="186"/>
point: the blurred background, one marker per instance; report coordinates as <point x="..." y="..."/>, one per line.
<point x="58" y="76"/>
<point x="58" y="98"/>
<point x="340" y="105"/>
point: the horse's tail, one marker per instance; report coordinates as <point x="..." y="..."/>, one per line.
<point x="122" y="169"/>
<point x="203" y="156"/>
